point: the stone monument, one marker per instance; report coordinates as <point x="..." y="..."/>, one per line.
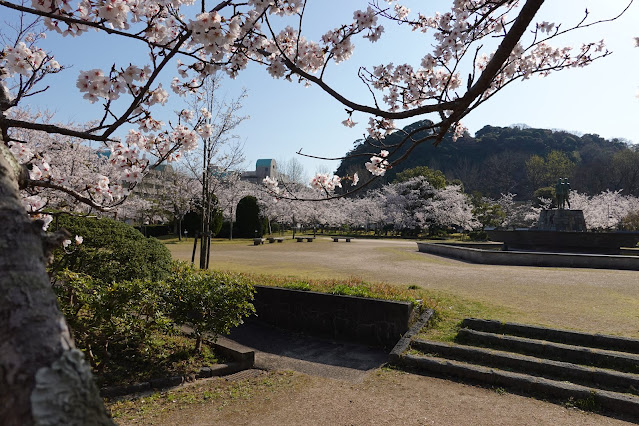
<point x="560" y="219"/>
<point x="563" y="231"/>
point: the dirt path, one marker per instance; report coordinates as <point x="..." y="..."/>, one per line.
<point x="384" y="398"/>
<point x="594" y="300"/>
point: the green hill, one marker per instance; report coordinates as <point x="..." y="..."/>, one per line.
<point x="498" y="160"/>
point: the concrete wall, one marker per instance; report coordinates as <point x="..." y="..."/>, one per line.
<point x="371" y="321"/>
<point x="562" y="260"/>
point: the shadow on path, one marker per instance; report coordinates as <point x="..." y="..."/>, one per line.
<point x="280" y="349"/>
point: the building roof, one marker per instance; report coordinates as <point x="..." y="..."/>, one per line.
<point x="264" y="162"/>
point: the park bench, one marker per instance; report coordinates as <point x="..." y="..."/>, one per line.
<point x="300" y="239"/>
<point x="258" y="241"/>
<point x="336" y="239"/>
<point x="273" y="239"/>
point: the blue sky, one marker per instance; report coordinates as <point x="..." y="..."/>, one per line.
<point x="286" y="117"/>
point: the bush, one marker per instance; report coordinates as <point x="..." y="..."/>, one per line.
<point x="631" y="222"/>
<point x="114" y="320"/>
<point x="192" y="222"/>
<point x="249" y="224"/>
<point x="155" y="230"/>
<point x="545" y="193"/>
<point x="209" y="302"/>
<point x="112" y="251"/>
<point x="478" y="235"/>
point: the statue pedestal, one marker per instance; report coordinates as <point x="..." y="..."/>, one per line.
<point x="564" y="231"/>
<point x="561" y="220"/>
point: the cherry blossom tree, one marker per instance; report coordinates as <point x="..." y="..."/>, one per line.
<point x="370" y="211"/>
<point x="520" y="214"/>
<point x="215" y="121"/>
<point x="451" y="208"/>
<point x="178" y="195"/>
<point x="135" y="210"/>
<point x="44" y="376"/>
<point x="605" y="210"/>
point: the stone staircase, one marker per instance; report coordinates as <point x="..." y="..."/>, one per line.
<point x="591" y="371"/>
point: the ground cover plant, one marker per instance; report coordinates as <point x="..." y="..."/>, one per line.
<point x="350" y="286"/>
<point x="449" y="311"/>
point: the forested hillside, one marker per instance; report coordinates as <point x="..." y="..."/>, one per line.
<point x="515" y="159"/>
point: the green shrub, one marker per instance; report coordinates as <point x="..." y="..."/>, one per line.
<point x="112" y="320"/>
<point x="249" y="224"/>
<point x="478" y="235"/>
<point x="209" y="302"/>
<point x="192" y="222"/>
<point x="112" y="251"/>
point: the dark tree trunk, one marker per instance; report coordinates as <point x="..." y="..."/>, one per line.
<point x="43" y="378"/>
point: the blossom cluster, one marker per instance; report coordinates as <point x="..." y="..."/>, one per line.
<point x="458" y="131"/>
<point x="95" y="84"/>
<point x="272" y="185"/>
<point x="25" y="61"/>
<point x="378" y="164"/>
<point x="326" y="182"/>
<point x="77" y="241"/>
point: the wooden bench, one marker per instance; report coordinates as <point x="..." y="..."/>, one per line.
<point x="271" y="240"/>
<point x="258" y="241"/>
<point x="300" y="239"/>
<point x="336" y="239"/>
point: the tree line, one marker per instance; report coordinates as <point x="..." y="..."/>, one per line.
<point x="517" y="159"/>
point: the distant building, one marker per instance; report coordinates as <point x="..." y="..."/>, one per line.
<point x="153" y="182"/>
<point x="263" y="167"/>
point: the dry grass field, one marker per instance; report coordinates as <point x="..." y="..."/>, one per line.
<point x="593" y="300"/>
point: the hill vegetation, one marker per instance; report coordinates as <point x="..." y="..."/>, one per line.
<point x="515" y="159"/>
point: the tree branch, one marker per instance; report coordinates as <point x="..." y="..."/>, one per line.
<point x="50" y="128"/>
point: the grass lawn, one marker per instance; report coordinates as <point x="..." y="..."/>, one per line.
<point x="593" y="300"/>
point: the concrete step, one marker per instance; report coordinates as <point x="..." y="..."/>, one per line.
<point x="556" y="370"/>
<point x="585" y="397"/>
<point x="620" y="361"/>
<point x="568" y="337"/>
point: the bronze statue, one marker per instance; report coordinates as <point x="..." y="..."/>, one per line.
<point x="562" y="191"/>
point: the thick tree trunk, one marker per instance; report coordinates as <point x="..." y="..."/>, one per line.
<point x="43" y="378"/>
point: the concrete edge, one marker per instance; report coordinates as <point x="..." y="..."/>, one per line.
<point x="552" y="369"/>
<point x="521" y="258"/>
<point x="243" y="359"/>
<point x="230" y="349"/>
<point x="620" y="361"/>
<point x="618" y="404"/>
<point x="601" y="341"/>
<point x="404" y="342"/>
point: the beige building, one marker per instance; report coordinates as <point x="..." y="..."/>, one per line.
<point x="264" y="167"/>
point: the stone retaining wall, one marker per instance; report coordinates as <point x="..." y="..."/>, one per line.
<point x="371" y="321"/>
<point x="561" y="260"/>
